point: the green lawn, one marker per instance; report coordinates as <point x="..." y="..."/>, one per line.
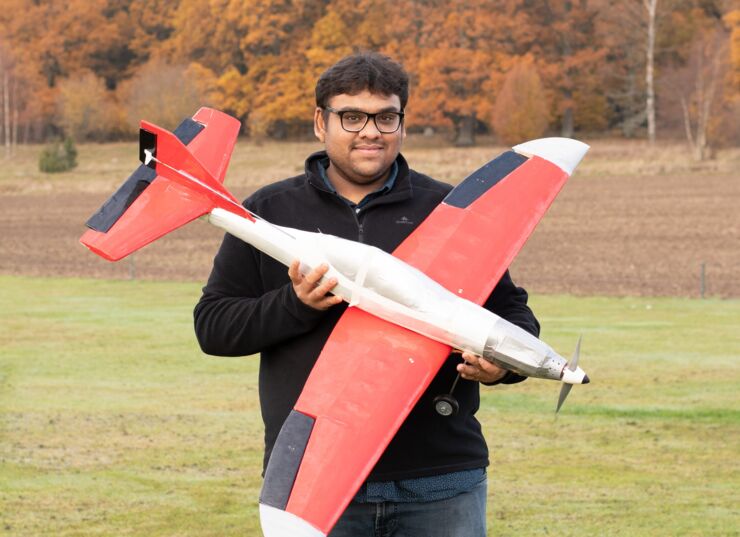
<point x="113" y="423"/>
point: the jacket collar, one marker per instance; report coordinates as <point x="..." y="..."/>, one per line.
<point x="401" y="189"/>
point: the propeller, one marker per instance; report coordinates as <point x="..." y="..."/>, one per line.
<point x="565" y="390"/>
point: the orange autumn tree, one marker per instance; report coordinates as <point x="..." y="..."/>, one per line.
<point x="207" y="32"/>
<point x="287" y="102"/>
<point x="732" y="20"/>
<point x="272" y="36"/>
<point x="570" y="56"/>
<point x="161" y="92"/>
<point x="60" y="41"/>
<point x="85" y="107"/>
<point x="259" y="59"/>
<point x="521" y="109"/>
<point x="322" y="33"/>
<point x="463" y="52"/>
<point x="701" y="90"/>
<point x="50" y="41"/>
<point x="79" y="35"/>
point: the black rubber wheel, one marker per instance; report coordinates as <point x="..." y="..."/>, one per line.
<point x="446" y="405"/>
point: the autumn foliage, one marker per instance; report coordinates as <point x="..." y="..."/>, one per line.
<point x="516" y="68"/>
<point x="521" y="107"/>
<point x="85" y="108"/>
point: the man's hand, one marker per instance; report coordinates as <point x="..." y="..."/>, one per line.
<point x="307" y="287"/>
<point x="480" y="369"/>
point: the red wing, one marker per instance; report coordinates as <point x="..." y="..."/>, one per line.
<point x="371" y="372"/>
<point x="471" y="238"/>
<point x="162" y="207"/>
<point x="368" y="378"/>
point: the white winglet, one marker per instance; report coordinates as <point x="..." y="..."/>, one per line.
<point x="279" y="523"/>
<point x="565" y="153"/>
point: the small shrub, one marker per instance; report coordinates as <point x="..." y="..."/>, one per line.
<point x="58" y="157"/>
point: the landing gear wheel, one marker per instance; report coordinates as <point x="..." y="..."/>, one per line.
<point x="446" y="405"/>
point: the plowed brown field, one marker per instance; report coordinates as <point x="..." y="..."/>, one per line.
<point x="632" y="221"/>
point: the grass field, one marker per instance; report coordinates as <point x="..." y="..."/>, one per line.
<point x="113" y="423"/>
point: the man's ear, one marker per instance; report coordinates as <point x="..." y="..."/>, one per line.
<point x="319" y="127"/>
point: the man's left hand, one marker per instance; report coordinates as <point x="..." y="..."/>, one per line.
<point x="479" y="369"/>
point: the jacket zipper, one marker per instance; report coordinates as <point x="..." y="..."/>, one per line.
<point x="360" y="227"/>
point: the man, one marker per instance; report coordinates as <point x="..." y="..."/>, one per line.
<point x="431" y="481"/>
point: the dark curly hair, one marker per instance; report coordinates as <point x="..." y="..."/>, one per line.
<point x="363" y="71"/>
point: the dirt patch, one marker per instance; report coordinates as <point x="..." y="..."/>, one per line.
<point x="605" y="235"/>
<point x="41" y="238"/>
<point x="638" y="235"/>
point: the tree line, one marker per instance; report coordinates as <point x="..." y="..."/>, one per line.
<point x="90" y="69"/>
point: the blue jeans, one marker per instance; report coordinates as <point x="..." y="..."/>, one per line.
<point x="461" y="516"/>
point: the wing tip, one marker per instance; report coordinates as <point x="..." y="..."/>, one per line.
<point x="565" y="153"/>
<point x="91" y="240"/>
<point x="278" y="523"/>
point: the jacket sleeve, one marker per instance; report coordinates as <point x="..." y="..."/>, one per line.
<point x="510" y="302"/>
<point x="237" y="315"/>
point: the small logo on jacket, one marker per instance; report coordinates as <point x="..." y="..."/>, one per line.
<point x="404" y="220"/>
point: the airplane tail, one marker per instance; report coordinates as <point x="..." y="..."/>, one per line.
<point x="179" y="180"/>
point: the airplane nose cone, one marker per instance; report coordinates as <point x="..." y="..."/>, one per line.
<point x="586" y="380"/>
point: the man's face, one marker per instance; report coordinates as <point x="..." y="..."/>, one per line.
<point x="365" y="157"/>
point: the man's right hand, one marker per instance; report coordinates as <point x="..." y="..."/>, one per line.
<point x="309" y="291"/>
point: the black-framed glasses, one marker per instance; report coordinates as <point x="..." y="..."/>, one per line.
<point x="355" y="120"/>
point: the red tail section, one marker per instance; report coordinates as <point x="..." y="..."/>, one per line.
<point x="172" y="189"/>
<point x="172" y="160"/>
<point x="215" y="156"/>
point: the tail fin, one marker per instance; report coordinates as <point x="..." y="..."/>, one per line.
<point x="172" y="188"/>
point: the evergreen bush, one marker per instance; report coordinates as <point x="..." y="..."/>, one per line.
<point x="58" y="157"/>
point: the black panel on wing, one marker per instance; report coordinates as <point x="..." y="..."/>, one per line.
<point x="477" y="183"/>
<point x="116" y="205"/>
<point x="285" y="459"/>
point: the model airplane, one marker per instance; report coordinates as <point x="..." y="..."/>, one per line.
<point x="408" y="310"/>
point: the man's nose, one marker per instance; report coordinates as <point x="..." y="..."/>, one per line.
<point x="370" y="130"/>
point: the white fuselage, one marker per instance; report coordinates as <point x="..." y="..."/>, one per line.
<point x="386" y="287"/>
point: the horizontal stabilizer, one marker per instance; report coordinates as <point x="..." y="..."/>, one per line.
<point x="111" y="211"/>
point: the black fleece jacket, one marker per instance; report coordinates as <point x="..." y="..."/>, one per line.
<point x="248" y="306"/>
